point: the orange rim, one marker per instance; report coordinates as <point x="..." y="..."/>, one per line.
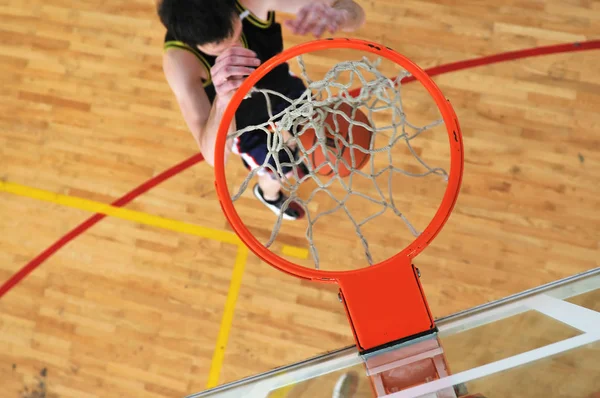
<point x="454" y="177"/>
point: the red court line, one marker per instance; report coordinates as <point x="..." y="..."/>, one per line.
<point x="509" y="56"/>
<point x="437" y="70"/>
<point x="87" y="224"/>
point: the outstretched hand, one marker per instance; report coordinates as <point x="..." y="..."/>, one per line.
<point x="230" y="70"/>
<point x="316" y="18"/>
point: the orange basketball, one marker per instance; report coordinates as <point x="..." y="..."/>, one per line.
<point x="360" y="137"/>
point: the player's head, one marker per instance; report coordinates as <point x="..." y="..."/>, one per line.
<point x="211" y="25"/>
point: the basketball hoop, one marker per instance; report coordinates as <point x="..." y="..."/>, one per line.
<point x="384" y="301"/>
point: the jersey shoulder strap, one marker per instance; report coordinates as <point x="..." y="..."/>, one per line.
<point x="253" y="19"/>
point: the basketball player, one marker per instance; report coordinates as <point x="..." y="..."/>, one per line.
<point x="212" y="45"/>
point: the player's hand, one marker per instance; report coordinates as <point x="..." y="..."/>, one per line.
<point x="230" y="70"/>
<point x="316" y="18"/>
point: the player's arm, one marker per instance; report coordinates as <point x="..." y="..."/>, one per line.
<point x="317" y="17"/>
<point x="185" y="77"/>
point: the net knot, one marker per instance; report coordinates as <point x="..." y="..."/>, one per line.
<point x="296" y="113"/>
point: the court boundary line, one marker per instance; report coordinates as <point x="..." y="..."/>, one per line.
<point x="227" y="317"/>
<point x="121" y="213"/>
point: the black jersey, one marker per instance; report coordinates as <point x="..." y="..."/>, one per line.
<point x="264" y="37"/>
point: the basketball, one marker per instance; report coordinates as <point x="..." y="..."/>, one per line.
<point x="361" y="137"/>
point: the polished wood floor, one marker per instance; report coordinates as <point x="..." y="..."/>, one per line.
<point x="129" y="309"/>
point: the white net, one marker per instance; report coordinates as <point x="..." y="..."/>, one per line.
<point x="361" y="86"/>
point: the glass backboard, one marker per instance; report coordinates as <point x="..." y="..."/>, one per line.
<point x="540" y="343"/>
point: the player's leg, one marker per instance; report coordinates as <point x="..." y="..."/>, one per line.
<point x="253" y="148"/>
<point x="268" y="190"/>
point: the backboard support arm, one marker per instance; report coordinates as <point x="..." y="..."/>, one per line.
<point x="386" y="304"/>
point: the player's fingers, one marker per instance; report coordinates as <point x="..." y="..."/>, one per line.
<point x="230" y="86"/>
<point x="332" y="26"/>
<point x="300" y="17"/>
<point x="236" y="61"/>
<point x="244" y="61"/>
<point x="309" y="25"/>
<point x="221" y="82"/>
<point x="333" y="18"/>
<point x="237" y="51"/>
<point x="248" y="58"/>
<point x="308" y="20"/>
<point x="227" y="64"/>
<point x="320" y="16"/>
<point x="291" y="24"/>
<point x="329" y="17"/>
<point x="230" y="72"/>
<point x="319" y="28"/>
<point x="240" y="55"/>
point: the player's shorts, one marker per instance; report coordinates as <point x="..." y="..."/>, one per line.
<point x="252" y="146"/>
<point x="253" y="149"/>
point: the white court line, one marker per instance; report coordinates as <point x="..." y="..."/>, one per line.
<point x="498" y="366"/>
<point x="573" y="315"/>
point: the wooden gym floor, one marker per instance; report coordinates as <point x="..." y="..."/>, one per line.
<point x="158" y="299"/>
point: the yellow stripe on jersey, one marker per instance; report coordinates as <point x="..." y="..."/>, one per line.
<point x="254" y="20"/>
<point x="182" y="46"/>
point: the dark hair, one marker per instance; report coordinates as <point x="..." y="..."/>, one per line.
<point x="197" y="22"/>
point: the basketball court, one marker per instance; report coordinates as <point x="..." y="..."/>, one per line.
<point x="121" y="274"/>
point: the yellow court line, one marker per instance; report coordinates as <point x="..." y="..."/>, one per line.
<point x="172" y="225"/>
<point x="298" y="252"/>
<point x="227" y="320"/>
<point x="136" y="216"/>
<point x="122" y="213"/>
